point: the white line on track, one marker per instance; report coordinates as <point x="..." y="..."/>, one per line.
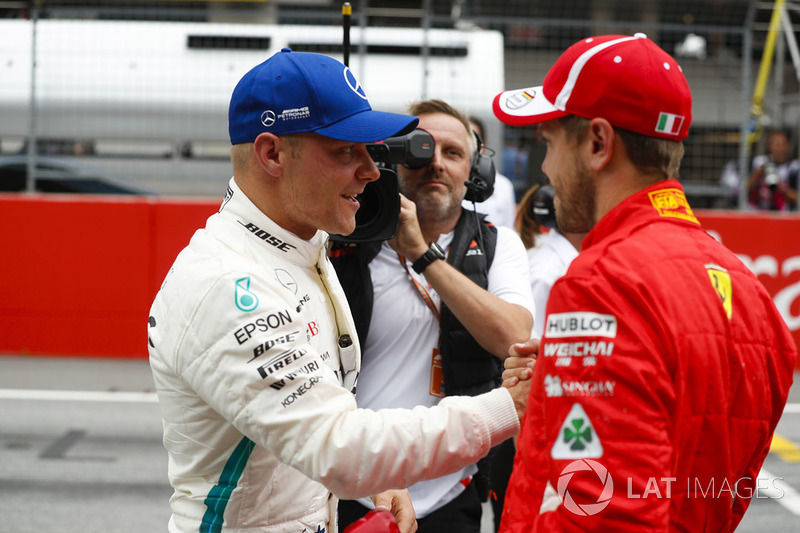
<point x="78" y="396"/>
<point x="769" y="485"/>
<point x="775" y="488"/>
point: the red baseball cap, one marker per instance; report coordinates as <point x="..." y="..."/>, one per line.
<point x="627" y="80"/>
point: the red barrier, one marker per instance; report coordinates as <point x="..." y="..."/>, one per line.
<point x="79" y="272"/>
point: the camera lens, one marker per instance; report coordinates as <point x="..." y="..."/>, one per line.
<point x="370" y="206"/>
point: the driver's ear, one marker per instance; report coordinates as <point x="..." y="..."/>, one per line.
<point x="267" y="149"/>
<point x="600" y="137"/>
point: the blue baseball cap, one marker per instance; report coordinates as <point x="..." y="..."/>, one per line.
<point x="295" y="92"/>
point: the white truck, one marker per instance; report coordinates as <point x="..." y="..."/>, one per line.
<point x="148" y="100"/>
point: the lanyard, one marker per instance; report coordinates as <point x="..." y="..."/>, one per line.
<point x="421" y="290"/>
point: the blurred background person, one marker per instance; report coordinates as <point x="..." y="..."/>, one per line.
<point x="550" y="259"/>
<point x="772" y="185"/>
<point x="530" y="231"/>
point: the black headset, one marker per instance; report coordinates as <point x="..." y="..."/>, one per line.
<point x="542" y="207"/>
<point x="480" y="184"/>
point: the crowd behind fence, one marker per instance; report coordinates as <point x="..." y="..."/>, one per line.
<point x="146" y="106"/>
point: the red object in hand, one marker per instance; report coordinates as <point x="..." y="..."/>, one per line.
<point x="377" y="521"/>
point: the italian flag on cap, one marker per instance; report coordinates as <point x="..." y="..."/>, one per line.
<point x="669" y="124"/>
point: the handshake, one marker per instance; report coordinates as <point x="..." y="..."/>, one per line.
<point x="518" y="372"/>
<point x="394" y="510"/>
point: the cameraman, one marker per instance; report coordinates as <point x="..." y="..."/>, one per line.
<point x="436" y="307"/>
<point x="772" y="185"/>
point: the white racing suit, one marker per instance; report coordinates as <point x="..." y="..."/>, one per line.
<point x="255" y="360"/>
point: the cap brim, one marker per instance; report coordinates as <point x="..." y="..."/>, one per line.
<point x="523" y="107"/>
<point x="369" y="126"/>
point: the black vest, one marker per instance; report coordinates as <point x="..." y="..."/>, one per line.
<point x="468" y="369"/>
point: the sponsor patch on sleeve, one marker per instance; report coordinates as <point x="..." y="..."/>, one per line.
<point x="672" y="203"/>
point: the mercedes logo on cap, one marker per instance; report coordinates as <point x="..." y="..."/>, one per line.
<point x="268" y="118"/>
<point x="353" y="83"/>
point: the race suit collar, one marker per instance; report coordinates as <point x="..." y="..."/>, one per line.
<point x="275" y="238"/>
<point x="664" y="200"/>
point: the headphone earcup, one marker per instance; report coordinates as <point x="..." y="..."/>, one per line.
<point x="543" y="207"/>
<point x="480" y="184"/>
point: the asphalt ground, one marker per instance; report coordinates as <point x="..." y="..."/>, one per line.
<point x="80" y="451"/>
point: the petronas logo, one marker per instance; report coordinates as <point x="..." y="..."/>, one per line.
<point x="577" y="437"/>
<point x="245" y="300"/>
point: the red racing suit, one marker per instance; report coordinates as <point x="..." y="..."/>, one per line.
<point x="663" y="370"/>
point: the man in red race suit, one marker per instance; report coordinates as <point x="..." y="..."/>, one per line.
<point x="664" y="366"/>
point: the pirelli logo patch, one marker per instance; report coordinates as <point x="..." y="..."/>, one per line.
<point x="672" y="203"/>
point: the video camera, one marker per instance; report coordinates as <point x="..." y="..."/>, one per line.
<point x="414" y="150"/>
<point x="379" y="215"/>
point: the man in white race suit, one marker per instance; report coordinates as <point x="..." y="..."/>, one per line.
<point x="252" y="346"/>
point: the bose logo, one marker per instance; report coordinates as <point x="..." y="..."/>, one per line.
<point x="267" y="237"/>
